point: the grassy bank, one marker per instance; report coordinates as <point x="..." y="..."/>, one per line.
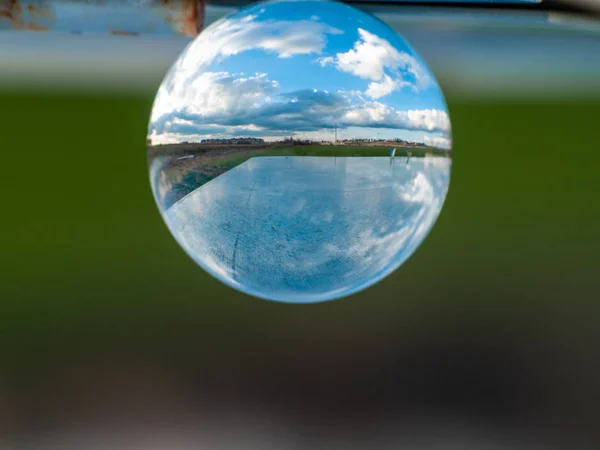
<point x="179" y="173"/>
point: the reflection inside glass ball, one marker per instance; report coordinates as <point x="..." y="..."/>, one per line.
<point x="299" y="151"/>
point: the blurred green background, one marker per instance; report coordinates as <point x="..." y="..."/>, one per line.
<point x="89" y="270"/>
<point x="84" y="246"/>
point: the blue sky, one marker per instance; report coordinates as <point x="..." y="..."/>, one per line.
<point x="300" y="68"/>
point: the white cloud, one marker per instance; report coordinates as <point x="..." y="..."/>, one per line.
<point x="387" y="86"/>
<point x="212" y="94"/>
<point x="437" y="141"/>
<point x="418" y="190"/>
<point x="232" y="36"/>
<point x="221" y="104"/>
<point x="426" y="119"/>
<point x="371" y="57"/>
<point x="187" y="87"/>
<point x="376" y="113"/>
<point x="222" y="93"/>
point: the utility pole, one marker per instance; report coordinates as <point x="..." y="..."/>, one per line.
<point x="335" y="139"/>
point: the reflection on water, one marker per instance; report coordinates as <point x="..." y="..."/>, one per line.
<point x="306" y="229"/>
<point x="177" y="170"/>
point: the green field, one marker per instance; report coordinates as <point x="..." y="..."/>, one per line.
<point x="230" y="161"/>
<point x="303" y="150"/>
<point x="347" y="151"/>
<point x="80" y="222"/>
<point x="92" y="197"/>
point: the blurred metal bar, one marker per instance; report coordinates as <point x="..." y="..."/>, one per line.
<point x="473" y="53"/>
<point x="592" y="5"/>
<point x="184" y="17"/>
<point x="122" y="17"/>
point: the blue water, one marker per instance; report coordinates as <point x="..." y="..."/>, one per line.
<point x="309" y="229"/>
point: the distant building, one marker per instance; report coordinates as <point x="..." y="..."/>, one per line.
<point x="234" y="141"/>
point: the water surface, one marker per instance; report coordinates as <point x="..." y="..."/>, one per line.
<point x="306" y="229"/>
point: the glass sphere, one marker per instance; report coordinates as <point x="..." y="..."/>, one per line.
<point x="299" y="151"/>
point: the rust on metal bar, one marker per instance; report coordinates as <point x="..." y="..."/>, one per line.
<point x="23" y="17"/>
<point x="122" y="17"/>
<point x="187" y="17"/>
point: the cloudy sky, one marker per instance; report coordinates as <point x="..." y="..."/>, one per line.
<point x="277" y="70"/>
